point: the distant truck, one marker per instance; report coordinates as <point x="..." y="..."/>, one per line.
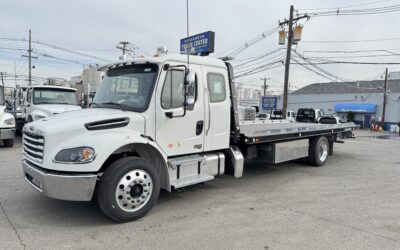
<point x="46" y="100"/>
<point x="309" y="115"/>
<point x="159" y="123"/>
<point x="277" y="114"/>
<point x="15" y="99"/>
<point x="7" y="122"/>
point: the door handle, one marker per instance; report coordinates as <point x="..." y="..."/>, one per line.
<point x="199" y="127"/>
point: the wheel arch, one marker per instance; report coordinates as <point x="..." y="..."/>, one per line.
<point x="145" y="151"/>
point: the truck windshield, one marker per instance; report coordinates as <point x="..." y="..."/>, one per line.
<point x="2" y="102"/>
<point x="54" y="96"/>
<point x="128" y="87"/>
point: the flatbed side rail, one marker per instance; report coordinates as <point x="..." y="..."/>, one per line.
<point x="290" y="136"/>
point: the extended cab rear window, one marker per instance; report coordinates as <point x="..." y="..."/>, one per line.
<point x="216" y="87"/>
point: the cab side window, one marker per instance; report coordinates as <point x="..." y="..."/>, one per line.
<point x="172" y="95"/>
<point x="216" y="87"/>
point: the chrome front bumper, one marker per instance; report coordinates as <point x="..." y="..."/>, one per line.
<point x="7" y="133"/>
<point x="62" y="186"/>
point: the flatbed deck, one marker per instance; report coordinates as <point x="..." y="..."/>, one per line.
<point x="269" y="132"/>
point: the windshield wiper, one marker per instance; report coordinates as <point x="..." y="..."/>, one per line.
<point x="119" y="105"/>
<point x="45" y="103"/>
<point x="68" y="103"/>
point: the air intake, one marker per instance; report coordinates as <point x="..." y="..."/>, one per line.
<point x="107" y="124"/>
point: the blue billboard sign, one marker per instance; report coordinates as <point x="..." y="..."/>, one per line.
<point x="355" y="107"/>
<point x="200" y="44"/>
<point x="269" y="102"/>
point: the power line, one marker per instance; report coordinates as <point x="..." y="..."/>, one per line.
<point x="355" y="41"/>
<point x="55" y="47"/>
<point x="253" y="59"/>
<point x="256" y="64"/>
<point x="349" y="6"/>
<point x="239" y="49"/>
<point x="352" y="51"/>
<point x="346" y="12"/>
<point x="334" y="78"/>
<point x="261" y="69"/>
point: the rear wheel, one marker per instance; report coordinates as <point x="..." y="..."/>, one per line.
<point x="319" y="150"/>
<point x="8" y="143"/>
<point x="128" y="189"/>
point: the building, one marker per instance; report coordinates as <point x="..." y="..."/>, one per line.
<point x="364" y="99"/>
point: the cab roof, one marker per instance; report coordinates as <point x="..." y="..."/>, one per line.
<point x="180" y="58"/>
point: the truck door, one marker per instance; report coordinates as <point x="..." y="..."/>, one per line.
<point x="180" y="134"/>
<point x="217" y="113"/>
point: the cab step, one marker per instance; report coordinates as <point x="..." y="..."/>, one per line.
<point x="192" y="159"/>
<point x="187" y="181"/>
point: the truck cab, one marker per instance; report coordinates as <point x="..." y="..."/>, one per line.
<point x="46" y="100"/>
<point x="309" y="115"/>
<point x="276" y="114"/>
<point x="7" y="121"/>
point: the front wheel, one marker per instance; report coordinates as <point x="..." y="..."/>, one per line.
<point x="128" y="189"/>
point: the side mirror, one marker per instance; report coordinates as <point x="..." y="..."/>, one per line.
<point x="190" y="77"/>
<point x="9" y="105"/>
<point x="190" y="85"/>
<point x="189" y="103"/>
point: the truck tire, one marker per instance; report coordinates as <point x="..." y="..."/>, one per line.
<point x="319" y="150"/>
<point x="128" y="189"/>
<point x="8" y="143"/>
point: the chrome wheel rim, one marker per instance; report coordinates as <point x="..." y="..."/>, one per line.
<point x="134" y="190"/>
<point x="323" y="151"/>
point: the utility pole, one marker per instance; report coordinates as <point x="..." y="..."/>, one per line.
<point x="265" y="85"/>
<point x="287" y="65"/>
<point x="15" y="74"/>
<point x="288" y="54"/>
<point x="385" y="89"/>
<point x="30" y="58"/>
<point x="123" y="46"/>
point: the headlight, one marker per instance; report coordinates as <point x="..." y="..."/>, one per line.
<point x="75" y="155"/>
<point x="10" y="121"/>
<point x="38" y="117"/>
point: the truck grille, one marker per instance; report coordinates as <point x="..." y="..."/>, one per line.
<point x="33" y="146"/>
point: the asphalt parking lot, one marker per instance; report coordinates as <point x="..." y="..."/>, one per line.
<point x="353" y="202"/>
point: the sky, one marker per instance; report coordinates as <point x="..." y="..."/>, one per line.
<point x="95" y="28"/>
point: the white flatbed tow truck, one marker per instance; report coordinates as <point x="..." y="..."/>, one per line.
<point x="159" y="123"/>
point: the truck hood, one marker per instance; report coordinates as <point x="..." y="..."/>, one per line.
<point x="73" y="123"/>
<point x="53" y="109"/>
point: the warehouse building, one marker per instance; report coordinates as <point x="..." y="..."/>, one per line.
<point x="364" y="99"/>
